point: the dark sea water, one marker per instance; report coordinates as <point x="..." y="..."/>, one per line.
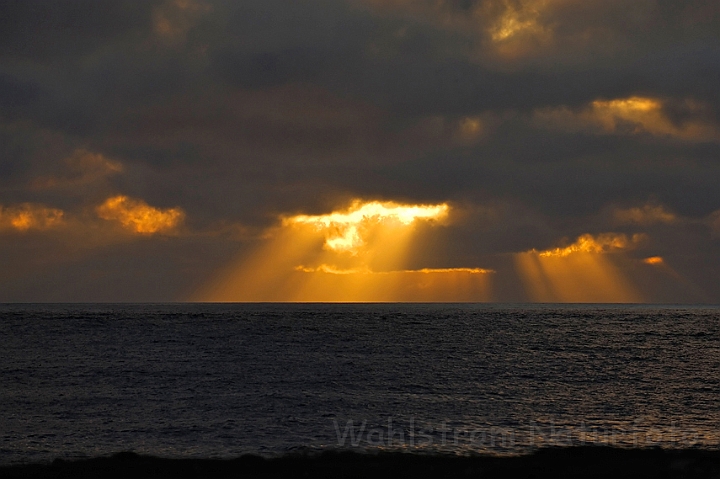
<point x="223" y="380"/>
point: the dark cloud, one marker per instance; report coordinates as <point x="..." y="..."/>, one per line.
<point x="16" y="94"/>
<point x="39" y="30"/>
<point x="238" y="112"/>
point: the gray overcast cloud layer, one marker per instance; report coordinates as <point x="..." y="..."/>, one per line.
<point x="538" y="120"/>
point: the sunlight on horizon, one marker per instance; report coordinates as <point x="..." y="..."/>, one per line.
<point x="582" y="272"/>
<point x="359" y="254"/>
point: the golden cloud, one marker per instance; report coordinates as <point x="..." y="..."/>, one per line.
<point x="450" y="270"/>
<point x="519" y="19"/>
<point x="581" y="272"/>
<point x="498" y="29"/>
<point x="329" y="269"/>
<point x="573" y="30"/>
<point x="629" y="116"/>
<point x="602" y="243"/>
<point x="359" y="253"/>
<point x="347" y="231"/>
<point x="499" y="19"/>
<point x="29" y="216"/>
<point x="654" y="260"/>
<point x="139" y="217"/>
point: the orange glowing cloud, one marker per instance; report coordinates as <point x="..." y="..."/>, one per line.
<point x="348" y="230"/>
<point x="581" y="272"/>
<point x="519" y="20"/>
<point x="645" y="114"/>
<point x="632" y="115"/>
<point x="139" y="217"/>
<point x="602" y="243"/>
<point x="29" y="216"/>
<point x="654" y="260"/>
<point x="450" y="270"/>
<point x="512" y="28"/>
<point x="355" y="254"/>
<point x="324" y="268"/>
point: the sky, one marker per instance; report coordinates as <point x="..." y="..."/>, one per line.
<point x="360" y="150"/>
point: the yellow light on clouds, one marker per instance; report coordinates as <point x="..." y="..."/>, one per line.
<point x="632" y="115"/>
<point x="519" y="30"/>
<point x="654" y="260"/>
<point x="139" y="217"/>
<point x="594" y="244"/>
<point x="579" y="273"/>
<point x="324" y="268"/>
<point x="345" y="231"/>
<point x="354" y="254"/>
<point x="512" y="23"/>
<point x="646" y="113"/>
<point x="628" y="106"/>
<point x="29" y="216"/>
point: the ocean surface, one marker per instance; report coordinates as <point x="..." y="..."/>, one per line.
<point x="199" y="380"/>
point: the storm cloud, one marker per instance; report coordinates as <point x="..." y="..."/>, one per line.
<point x="144" y="146"/>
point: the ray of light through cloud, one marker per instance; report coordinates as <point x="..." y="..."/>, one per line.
<point x="219" y="141"/>
<point x="355" y="254"/>
<point x="582" y="272"/>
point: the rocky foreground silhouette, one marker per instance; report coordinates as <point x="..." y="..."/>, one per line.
<point x="576" y="462"/>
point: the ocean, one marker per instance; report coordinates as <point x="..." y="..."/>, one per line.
<point x="222" y="380"/>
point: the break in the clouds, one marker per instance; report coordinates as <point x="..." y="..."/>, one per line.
<point x="160" y="150"/>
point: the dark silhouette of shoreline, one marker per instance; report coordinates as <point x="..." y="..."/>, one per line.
<point x="575" y="462"/>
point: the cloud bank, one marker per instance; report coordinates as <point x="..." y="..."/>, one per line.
<point x="147" y="147"/>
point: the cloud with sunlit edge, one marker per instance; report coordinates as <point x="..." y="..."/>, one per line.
<point x="602" y="243"/>
<point x="633" y="115"/>
<point x="587" y="270"/>
<point x="329" y="269"/>
<point x="359" y="253"/>
<point x="30" y="216"/>
<point x="138" y="217"/>
<point x="347" y="230"/>
<point x="654" y="261"/>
